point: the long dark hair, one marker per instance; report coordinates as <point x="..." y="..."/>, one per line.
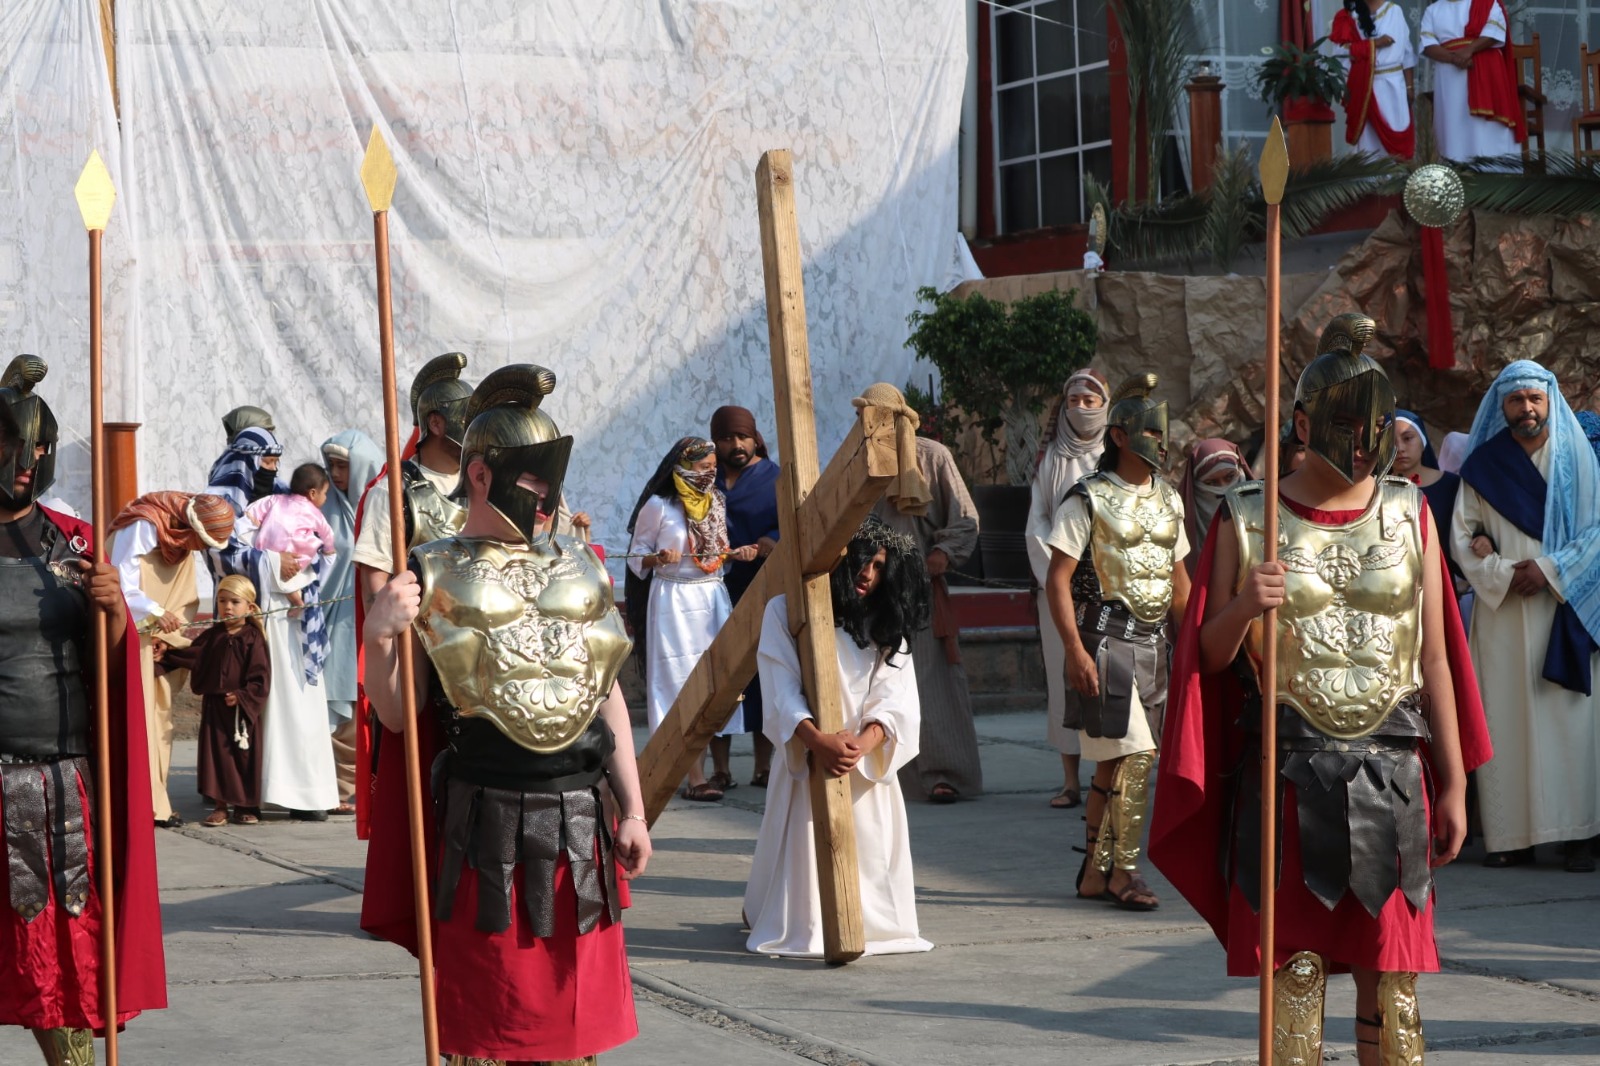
<point x="902" y="604"/>
<point x="1363" y="15"/>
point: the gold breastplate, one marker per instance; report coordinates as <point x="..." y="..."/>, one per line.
<point x="1350" y="628"/>
<point x="1134" y="539"/>
<point x="528" y="638"/>
<point x="434" y="515"/>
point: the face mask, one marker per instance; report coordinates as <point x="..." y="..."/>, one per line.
<point x="265" y="483"/>
<point x="700" y="479"/>
<point x="1087" y="422"/>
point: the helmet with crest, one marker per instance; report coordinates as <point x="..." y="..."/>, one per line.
<point x="506" y="429"/>
<point x="438" y="390"/>
<point x="1348" y="400"/>
<point x="1141" y="418"/>
<point x="28" y="432"/>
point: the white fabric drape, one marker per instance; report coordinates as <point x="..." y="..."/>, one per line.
<point x="55" y="108"/>
<point x="576" y="189"/>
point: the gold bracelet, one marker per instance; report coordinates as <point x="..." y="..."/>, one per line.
<point x="636" y="818"/>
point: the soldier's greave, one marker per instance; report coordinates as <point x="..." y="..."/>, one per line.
<point x="1122" y="825"/>
<point x="66" y="1047"/>
<point x="1298" y="991"/>
<point x="1400" y="1043"/>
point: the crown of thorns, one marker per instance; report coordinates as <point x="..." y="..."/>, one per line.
<point x="878" y="534"/>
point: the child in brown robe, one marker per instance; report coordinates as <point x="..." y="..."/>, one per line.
<point x="229" y="667"/>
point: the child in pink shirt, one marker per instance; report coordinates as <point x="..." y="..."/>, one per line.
<point x="293" y="522"/>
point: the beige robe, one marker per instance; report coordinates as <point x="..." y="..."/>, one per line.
<point x="1543" y="784"/>
<point x="949" y="740"/>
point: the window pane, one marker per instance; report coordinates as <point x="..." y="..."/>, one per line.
<point x="1058" y="180"/>
<point x="1016" y="122"/>
<point x="1058" y="113"/>
<point x="1019" y="197"/>
<point x="1093" y="29"/>
<point x="1013" y="48"/>
<point x="1054" y="41"/>
<point x="1097" y="164"/>
<point x="1094" y="88"/>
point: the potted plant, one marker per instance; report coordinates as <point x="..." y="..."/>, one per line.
<point x="1303" y="84"/>
<point x="998" y="366"/>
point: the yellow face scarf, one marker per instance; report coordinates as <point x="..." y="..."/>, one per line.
<point x="696" y="498"/>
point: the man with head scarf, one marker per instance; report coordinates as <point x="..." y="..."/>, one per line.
<point x="748" y="480"/>
<point x="352" y="460"/>
<point x="676" y="600"/>
<point x="50" y="905"/>
<point x="517" y="645"/>
<point x="153" y="544"/>
<point x="1530" y="498"/>
<point x="1215" y="466"/>
<point x="929" y="502"/>
<point x="1074" y="438"/>
<point x="880" y="600"/>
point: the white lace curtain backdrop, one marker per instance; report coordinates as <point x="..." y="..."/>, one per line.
<point x="576" y="189"/>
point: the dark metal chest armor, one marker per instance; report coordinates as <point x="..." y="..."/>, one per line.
<point x="44" y="627"/>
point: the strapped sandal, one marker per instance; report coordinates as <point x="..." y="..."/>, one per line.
<point x="1127" y="899"/>
<point x="759" y="778"/>
<point x="705" y="792"/>
<point x="1104" y="895"/>
<point x="216" y="819"/>
<point x="246" y="817"/>
<point x="724" y="780"/>
<point x="1066" y="799"/>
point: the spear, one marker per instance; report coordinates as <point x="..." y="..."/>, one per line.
<point x="95" y="195"/>
<point x="378" y="176"/>
<point x="1274" y="173"/>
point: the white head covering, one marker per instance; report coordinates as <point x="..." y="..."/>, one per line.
<point x="1079" y="438"/>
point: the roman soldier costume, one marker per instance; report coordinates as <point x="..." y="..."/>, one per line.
<point x="1354" y="877"/>
<point x="525" y="642"/>
<point x="50" y="916"/>
<point x="436" y="390"/>
<point x="1121" y="592"/>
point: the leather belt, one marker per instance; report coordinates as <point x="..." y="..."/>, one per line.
<point x="1111" y="618"/>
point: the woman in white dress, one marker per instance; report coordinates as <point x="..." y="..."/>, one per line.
<point x="675" y="597"/>
<point x="1376" y="45"/>
<point x="881" y="597"/>
<point x="1072" y="447"/>
<point x="1459" y="132"/>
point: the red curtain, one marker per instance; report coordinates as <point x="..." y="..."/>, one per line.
<point x="1294" y="22"/>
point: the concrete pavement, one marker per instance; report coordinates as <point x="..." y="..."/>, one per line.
<point x="266" y="965"/>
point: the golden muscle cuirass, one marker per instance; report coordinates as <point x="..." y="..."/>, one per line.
<point x="433" y="514"/>
<point x="528" y="638"/>
<point x="1134" y="540"/>
<point x="1350" y="628"/>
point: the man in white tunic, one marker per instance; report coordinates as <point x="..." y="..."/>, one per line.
<point x="1527" y="535"/>
<point x="880" y="599"/>
<point x="1076" y="439"/>
<point x="1476" y="111"/>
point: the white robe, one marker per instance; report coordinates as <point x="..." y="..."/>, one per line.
<point x="1543" y="784"/>
<point x="782" y="902"/>
<point x="1389" y="79"/>
<point x="297" y="769"/>
<point x="1459" y="134"/>
<point x="687" y="609"/>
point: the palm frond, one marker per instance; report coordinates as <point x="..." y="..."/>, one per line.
<point x="1172" y="229"/>
<point x="1568" y="187"/>
<point x="1232" y="218"/>
<point x="1332" y="185"/>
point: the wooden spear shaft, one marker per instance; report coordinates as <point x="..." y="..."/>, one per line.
<point x="1274" y="172"/>
<point x="95" y="195"/>
<point x="378" y="174"/>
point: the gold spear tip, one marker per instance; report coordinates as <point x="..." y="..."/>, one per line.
<point x="95" y="193"/>
<point x="378" y="173"/>
<point x="1274" y="164"/>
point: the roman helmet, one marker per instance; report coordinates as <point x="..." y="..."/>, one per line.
<point x="1136" y="414"/>
<point x="438" y="389"/>
<point x="240" y="419"/>
<point x="26" y="423"/>
<point x="506" y="429"/>
<point x="1348" y="399"/>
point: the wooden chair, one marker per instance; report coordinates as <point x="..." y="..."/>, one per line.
<point x="1530" y="89"/>
<point x="1588" y="120"/>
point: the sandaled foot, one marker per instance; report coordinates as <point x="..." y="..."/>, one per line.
<point x="943" y="793"/>
<point x="724" y="780"/>
<point x="1135" y="895"/>
<point x="705" y="792"/>
<point x="1094" y="877"/>
<point x="1066" y="799"/>
<point x="244" y="817"/>
<point x="1499" y="860"/>
<point x="218" y="817"/>
<point x="343" y="809"/>
<point x="760" y="778"/>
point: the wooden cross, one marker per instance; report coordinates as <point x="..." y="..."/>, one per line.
<point x="816" y="519"/>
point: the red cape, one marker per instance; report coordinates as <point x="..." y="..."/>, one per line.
<point x="1360" y="107"/>
<point x="141" y="961"/>
<point x="388" y="903"/>
<point x="1492" y="78"/>
<point x="1200" y="746"/>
